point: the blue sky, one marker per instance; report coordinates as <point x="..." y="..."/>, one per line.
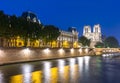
<point x="67" y="13"/>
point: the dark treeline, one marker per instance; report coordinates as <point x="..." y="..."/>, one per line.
<point x="110" y="41"/>
<point x="13" y="26"/>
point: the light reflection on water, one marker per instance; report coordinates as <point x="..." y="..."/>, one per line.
<point x="80" y="63"/>
<point x="26" y="71"/>
<point x="86" y="60"/>
<point x="1" y="77"/>
<point x="47" y="71"/>
<point x="56" y="71"/>
<point x="71" y="70"/>
<point x="61" y="64"/>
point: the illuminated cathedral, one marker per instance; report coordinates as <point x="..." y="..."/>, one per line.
<point x="95" y="36"/>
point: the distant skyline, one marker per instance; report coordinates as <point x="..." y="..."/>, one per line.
<point x="70" y="13"/>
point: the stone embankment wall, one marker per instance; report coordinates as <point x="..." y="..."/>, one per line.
<point x="13" y="55"/>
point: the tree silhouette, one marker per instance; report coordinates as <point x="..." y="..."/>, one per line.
<point x="84" y="41"/>
<point x="111" y="42"/>
<point x="50" y="33"/>
<point x="99" y="45"/>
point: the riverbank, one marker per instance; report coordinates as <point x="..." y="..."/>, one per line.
<point x="15" y="55"/>
<point x="19" y="55"/>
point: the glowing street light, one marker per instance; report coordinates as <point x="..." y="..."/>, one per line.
<point x="72" y="50"/>
<point x="61" y="51"/>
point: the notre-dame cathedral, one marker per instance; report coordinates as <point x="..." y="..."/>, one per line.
<point x="95" y="36"/>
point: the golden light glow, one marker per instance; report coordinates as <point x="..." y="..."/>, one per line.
<point x="46" y="51"/>
<point x="26" y="52"/>
<point x="75" y="44"/>
<point x="35" y="43"/>
<point x="54" y="75"/>
<point x="16" y="79"/>
<point x="86" y="50"/>
<point x="66" y="44"/>
<point x="61" y="51"/>
<point x="37" y="77"/>
<point x="80" y="50"/>
<point x="54" y="44"/>
<point x="72" y="50"/>
<point x="19" y="42"/>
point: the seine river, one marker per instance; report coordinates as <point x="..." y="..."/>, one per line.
<point x="85" y="69"/>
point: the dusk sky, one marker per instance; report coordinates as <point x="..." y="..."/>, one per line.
<point x="67" y="13"/>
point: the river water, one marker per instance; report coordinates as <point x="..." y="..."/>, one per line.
<point x="95" y="69"/>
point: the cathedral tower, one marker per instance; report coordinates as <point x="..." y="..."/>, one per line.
<point x="97" y="33"/>
<point x="97" y="29"/>
<point x="86" y="31"/>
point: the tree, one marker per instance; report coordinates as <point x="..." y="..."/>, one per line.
<point x="99" y="45"/>
<point x="111" y="42"/>
<point x="8" y="25"/>
<point x="29" y="30"/>
<point x="4" y="24"/>
<point x="84" y="41"/>
<point x="50" y="33"/>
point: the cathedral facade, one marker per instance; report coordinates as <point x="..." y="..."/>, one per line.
<point x="95" y="35"/>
